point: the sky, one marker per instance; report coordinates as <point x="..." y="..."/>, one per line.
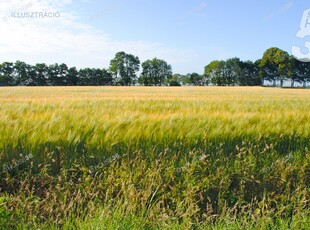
<point x="188" y="34"/>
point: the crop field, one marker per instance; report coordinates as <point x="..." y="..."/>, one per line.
<point x="154" y="158"/>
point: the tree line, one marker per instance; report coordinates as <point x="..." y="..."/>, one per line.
<point x="276" y="66"/>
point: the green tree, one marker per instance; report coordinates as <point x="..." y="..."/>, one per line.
<point x="95" y="77"/>
<point x="184" y="79"/>
<point x="176" y="79"/>
<point x="21" y="73"/>
<point x="57" y="74"/>
<point x="195" y="79"/>
<point x="7" y="74"/>
<point x="53" y="74"/>
<point x="214" y="71"/>
<point x="249" y="74"/>
<point x="102" y="77"/>
<point x="62" y="74"/>
<point x="105" y="77"/>
<point x="155" y="72"/>
<point x="41" y="71"/>
<point x="124" y="68"/>
<point x="232" y="71"/>
<point x="300" y="72"/>
<point x="86" y="76"/>
<point x="72" y="76"/>
<point x="275" y="65"/>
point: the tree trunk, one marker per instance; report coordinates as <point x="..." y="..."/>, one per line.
<point x="281" y="82"/>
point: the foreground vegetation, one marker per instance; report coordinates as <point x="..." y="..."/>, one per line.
<point x="149" y="158"/>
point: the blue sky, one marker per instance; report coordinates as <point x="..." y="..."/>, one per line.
<point x="188" y="34"/>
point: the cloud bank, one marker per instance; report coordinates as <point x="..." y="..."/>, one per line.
<point x="66" y="38"/>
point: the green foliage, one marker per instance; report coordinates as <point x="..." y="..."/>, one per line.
<point x="155" y="72"/>
<point x="233" y="72"/>
<point x="249" y="75"/>
<point x="195" y="79"/>
<point x="41" y="72"/>
<point x="124" y="68"/>
<point x="7" y="74"/>
<point x="214" y="71"/>
<point x="94" y="77"/>
<point x="5" y="215"/>
<point x="300" y="72"/>
<point x="174" y="83"/>
<point x="275" y="65"/>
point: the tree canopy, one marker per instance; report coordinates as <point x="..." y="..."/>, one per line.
<point x="155" y="72"/>
<point x="276" y="66"/>
<point x="124" y="68"/>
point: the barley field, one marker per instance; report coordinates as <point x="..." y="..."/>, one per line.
<point x="154" y="158"/>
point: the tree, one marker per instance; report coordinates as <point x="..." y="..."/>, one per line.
<point x="62" y="74"/>
<point x="176" y="79"/>
<point x="215" y="72"/>
<point x="195" y="79"/>
<point x="300" y="72"/>
<point x="124" y="68"/>
<point x="85" y="76"/>
<point x="21" y="73"/>
<point x="53" y="74"/>
<point x="41" y="71"/>
<point x="249" y="74"/>
<point x="104" y="77"/>
<point x="275" y="65"/>
<point x="231" y="71"/>
<point x="174" y="83"/>
<point x="155" y="72"/>
<point x="72" y="76"/>
<point x="57" y="74"/>
<point x="184" y="79"/>
<point x="7" y="74"/>
<point x="223" y="72"/>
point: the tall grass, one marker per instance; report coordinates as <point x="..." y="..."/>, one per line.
<point x="189" y="157"/>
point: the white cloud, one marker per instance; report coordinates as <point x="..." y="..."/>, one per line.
<point x="66" y="39"/>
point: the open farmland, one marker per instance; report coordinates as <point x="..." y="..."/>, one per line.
<point x="149" y="158"/>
